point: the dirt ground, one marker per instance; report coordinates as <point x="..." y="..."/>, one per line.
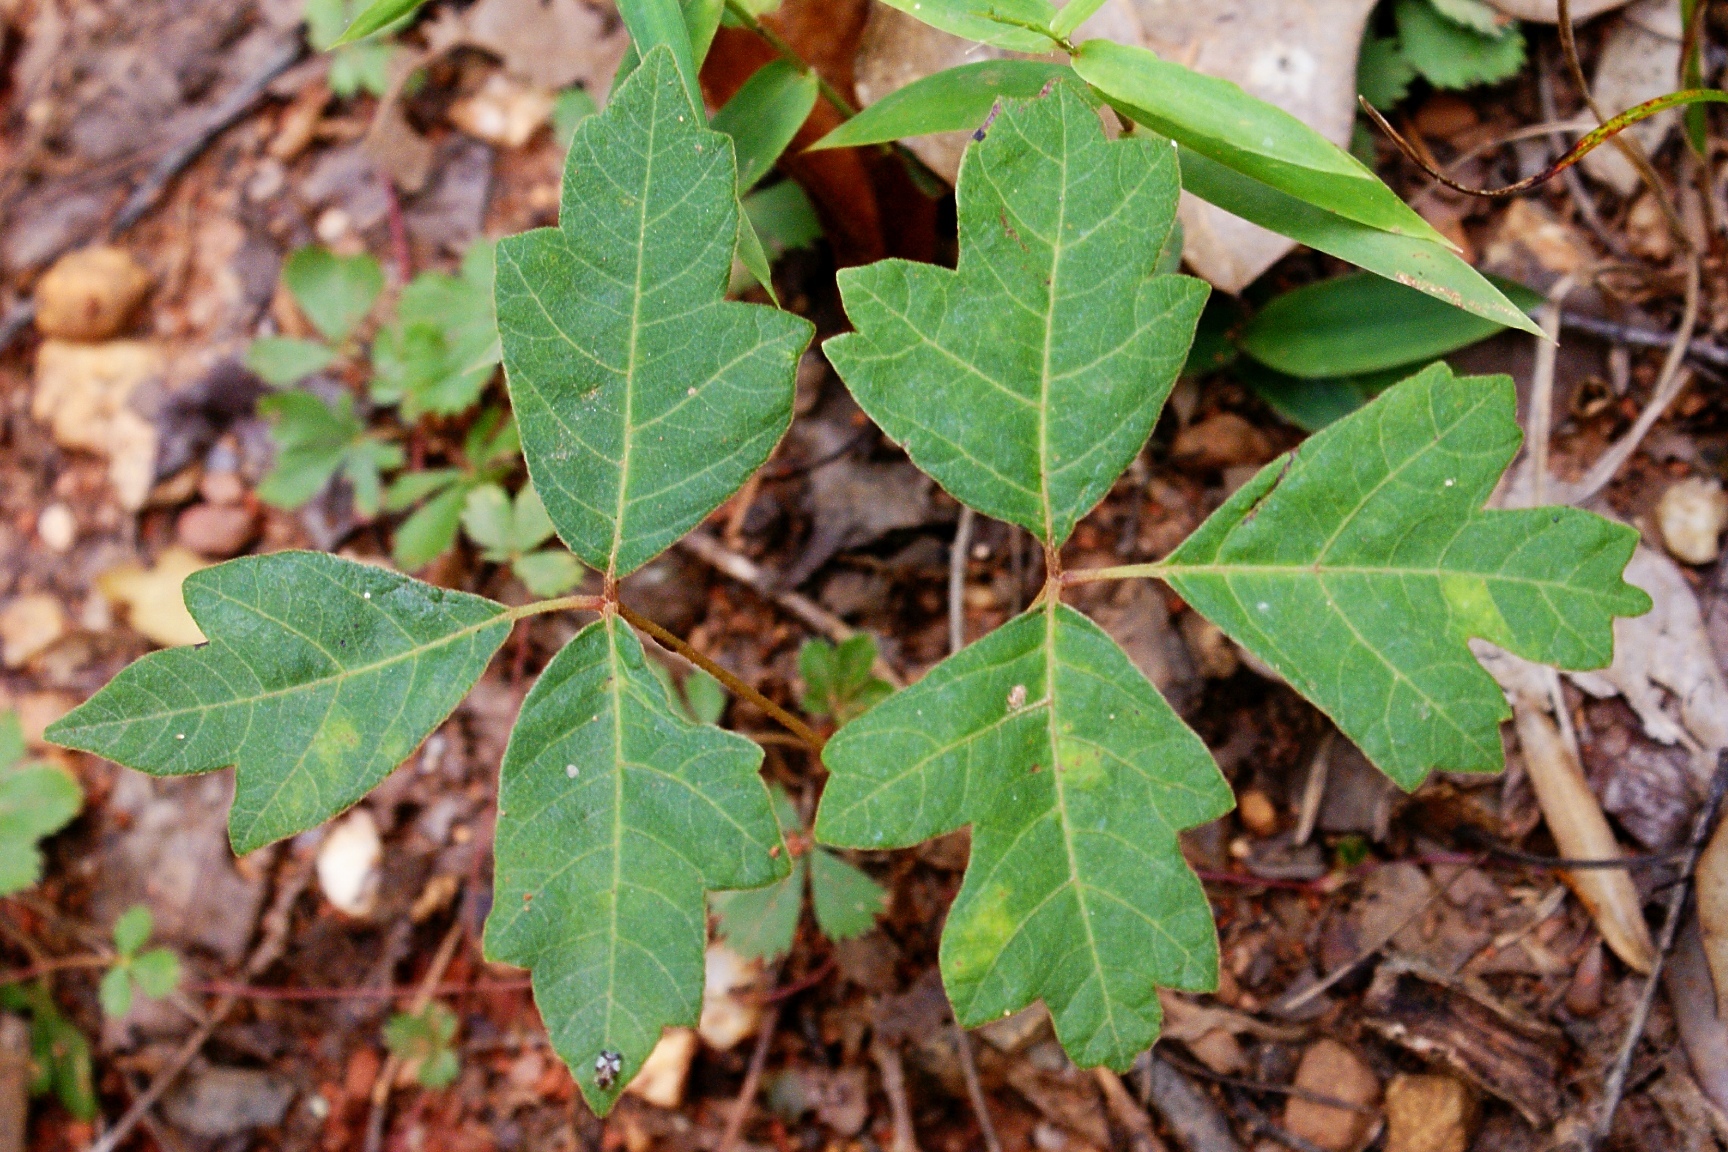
<point x="1396" y="968"/>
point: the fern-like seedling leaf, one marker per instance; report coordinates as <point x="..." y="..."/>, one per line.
<point x="321" y="675"/>
<point x="1026" y="380"/>
<point x="1358" y="566"/>
<point x="645" y="398"/>
<point x="1076" y="777"/>
<point x="616" y="815"/>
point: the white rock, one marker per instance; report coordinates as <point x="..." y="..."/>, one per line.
<point x="503" y="112"/>
<point x="1691" y="516"/>
<point x="729" y="1014"/>
<point x="661" y="1080"/>
<point x="348" y="863"/>
<point x="1548" y="11"/>
<point x="1640" y="61"/>
<point x="57" y="528"/>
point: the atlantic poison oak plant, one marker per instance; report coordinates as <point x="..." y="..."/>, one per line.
<point x="1025" y="382"/>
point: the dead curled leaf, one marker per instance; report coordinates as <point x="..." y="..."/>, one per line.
<point x="1581" y="831"/>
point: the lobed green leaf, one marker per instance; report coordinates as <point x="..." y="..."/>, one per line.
<point x="1360" y="564"/>
<point x="1076" y="777"/>
<point x="644" y="397"/>
<point x="615" y="815"/>
<point x="1026" y="380"/>
<point x="335" y="292"/>
<point x="320" y="676"/>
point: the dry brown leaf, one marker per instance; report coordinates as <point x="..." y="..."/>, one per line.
<point x="1581" y="831"/>
<point x="549" y="43"/>
<point x="84" y="393"/>
<point x="661" y="1079"/>
<point x="1711" y="880"/>
<point x="152" y="596"/>
<point x="1548" y="11"/>
<point x="1640" y="61"/>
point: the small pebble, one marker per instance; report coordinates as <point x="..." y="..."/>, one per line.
<point x="348" y="862"/>
<point x="1429" y="1113"/>
<point x="1329" y="1068"/>
<point x="57" y="528"/>
<point x="1259" y="814"/>
<point x="90" y="294"/>
<point x="223" y="487"/>
<point x="216" y="530"/>
<point x="30" y="625"/>
<point x="1691" y="516"/>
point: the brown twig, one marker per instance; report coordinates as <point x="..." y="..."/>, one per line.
<point x="268" y="951"/>
<point x="792" y="724"/>
<point x="748" y="573"/>
<point x="391" y="992"/>
<point x="975" y="1089"/>
<point x="752" y="1081"/>
<point x="63" y="964"/>
<point x="1702" y="828"/>
<point x="887" y="1057"/>
<point x="1128" y="1113"/>
<point x="422" y="997"/>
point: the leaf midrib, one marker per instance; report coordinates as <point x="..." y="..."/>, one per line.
<point x="635" y="343"/>
<point x="305" y="686"/>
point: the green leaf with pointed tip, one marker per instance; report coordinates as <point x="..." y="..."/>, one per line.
<point x="1076" y="777"/>
<point x="36" y="800"/>
<point x="1421" y="264"/>
<point x="282" y="360"/>
<point x="615" y="816"/>
<point x="335" y="292"/>
<point x="1351" y="325"/>
<point x="1261" y="141"/>
<point x="977" y="20"/>
<point x="1359" y="565"/>
<point x="762" y="922"/>
<point x="846" y="900"/>
<point x="655" y="24"/>
<point x="376" y="17"/>
<point x="643" y="396"/>
<point x="764" y="115"/>
<point x="955" y="99"/>
<point x="321" y="675"/>
<point x="1026" y="380"/>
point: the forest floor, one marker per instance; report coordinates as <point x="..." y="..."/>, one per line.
<point x="1393" y="970"/>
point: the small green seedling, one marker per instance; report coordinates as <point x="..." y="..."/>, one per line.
<point x="36" y="801"/>
<point x="762" y="922"/>
<point x="153" y="973"/>
<point x="1449" y="43"/>
<point x="59" y="1053"/>
<point x="490" y="452"/>
<point x="424" y="1043"/>
<point x="512" y="532"/>
<point x="316" y="441"/>
<point x="443" y="347"/>
<point x="354" y="68"/>
<point x="838" y="682"/>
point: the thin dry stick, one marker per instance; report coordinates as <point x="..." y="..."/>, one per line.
<point x="815" y="617"/>
<point x="1314" y="790"/>
<point x="269" y="950"/>
<point x="1128" y="1113"/>
<point x="387" y="1076"/>
<point x="1628" y="146"/>
<point x="1669" y="384"/>
<point x="792" y="724"/>
<point x="752" y="1081"/>
<point x="957" y="579"/>
<point x="975" y="1089"/>
<point x="887" y="1058"/>
<point x="1702" y="828"/>
<point x="1542" y="386"/>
